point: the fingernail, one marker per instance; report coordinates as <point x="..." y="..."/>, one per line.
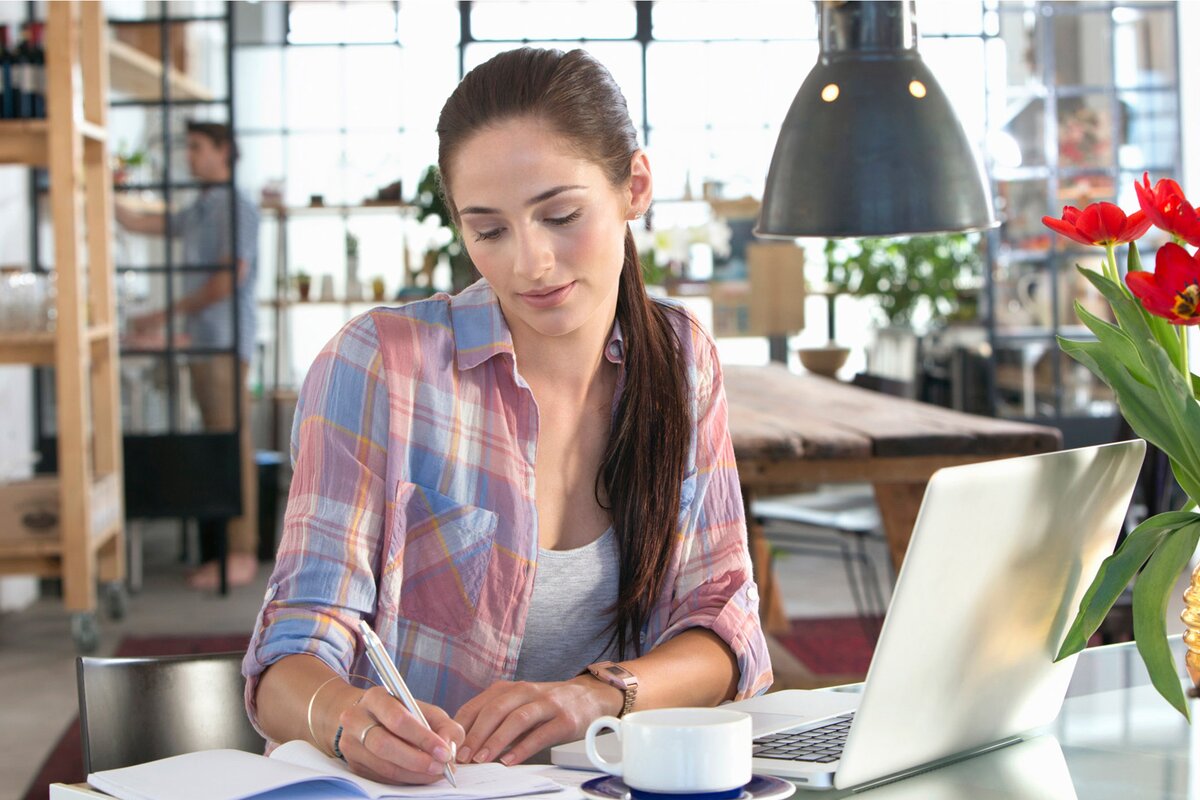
<point x="435" y="768"/>
<point x="464" y="755"/>
<point x="506" y="759"/>
<point x="482" y="756"/>
<point x="441" y="754"/>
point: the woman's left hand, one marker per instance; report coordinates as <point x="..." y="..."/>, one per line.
<point x="513" y="721"/>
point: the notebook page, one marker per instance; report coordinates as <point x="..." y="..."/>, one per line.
<point x="475" y="781"/>
<point x="217" y="775"/>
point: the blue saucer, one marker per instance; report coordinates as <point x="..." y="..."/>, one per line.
<point x="760" y="787"/>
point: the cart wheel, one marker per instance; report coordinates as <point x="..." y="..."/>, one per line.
<point x="85" y="631"/>
<point x="116" y="602"/>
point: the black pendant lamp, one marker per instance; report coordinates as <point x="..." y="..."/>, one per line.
<point x="871" y="145"/>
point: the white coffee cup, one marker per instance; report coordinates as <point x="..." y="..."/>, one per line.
<point x="678" y="750"/>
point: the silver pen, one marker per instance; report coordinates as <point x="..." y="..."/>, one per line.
<point x="393" y="681"/>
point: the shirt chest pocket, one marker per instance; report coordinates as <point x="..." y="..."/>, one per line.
<point x="446" y="547"/>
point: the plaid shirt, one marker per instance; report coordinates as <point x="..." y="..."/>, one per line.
<point x="412" y="505"/>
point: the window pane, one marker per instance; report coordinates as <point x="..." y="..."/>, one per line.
<point x="314" y="164"/>
<point x="560" y="19"/>
<point x="1021" y="34"/>
<point x="676" y="84"/>
<point x="258" y="101"/>
<point x="370" y="22"/>
<point x="710" y="19"/>
<point x="1018" y="141"/>
<point x="724" y="82"/>
<point x="372" y="87"/>
<point x="427" y="77"/>
<point x="958" y="65"/>
<point x="329" y="22"/>
<point x="429" y="25"/>
<point x="373" y="161"/>
<point x="623" y="60"/>
<point x="949" y="16"/>
<point x="1020" y="206"/>
<point x="1149" y="123"/>
<point x="260" y="162"/>
<point x="315" y="84"/>
<point x="1145" y="46"/>
<point x="1082" y="47"/>
<point x="734" y="158"/>
<point x="1085" y="129"/>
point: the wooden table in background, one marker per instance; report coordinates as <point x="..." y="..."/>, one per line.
<point x="793" y="431"/>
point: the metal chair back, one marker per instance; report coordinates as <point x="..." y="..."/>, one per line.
<point x="133" y="710"/>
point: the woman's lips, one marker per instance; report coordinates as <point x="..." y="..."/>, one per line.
<point x="548" y="298"/>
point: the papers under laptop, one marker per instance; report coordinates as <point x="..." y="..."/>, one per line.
<point x="1001" y="554"/>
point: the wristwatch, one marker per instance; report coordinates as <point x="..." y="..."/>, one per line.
<point x="615" y="675"/>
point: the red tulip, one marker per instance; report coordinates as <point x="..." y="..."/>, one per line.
<point x="1167" y="208"/>
<point x="1173" y="289"/>
<point x="1100" y="224"/>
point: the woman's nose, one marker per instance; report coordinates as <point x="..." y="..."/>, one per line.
<point x="534" y="255"/>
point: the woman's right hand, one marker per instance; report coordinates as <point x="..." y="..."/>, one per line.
<point x="382" y="741"/>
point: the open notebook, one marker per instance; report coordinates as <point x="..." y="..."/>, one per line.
<point x="297" y="770"/>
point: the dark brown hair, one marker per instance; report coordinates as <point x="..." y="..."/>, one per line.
<point x="218" y="133"/>
<point x="644" y="462"/>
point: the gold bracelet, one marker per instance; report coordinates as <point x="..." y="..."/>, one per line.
<point x="312" y="700"/>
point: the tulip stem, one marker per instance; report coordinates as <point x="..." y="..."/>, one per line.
<point x="1110" y="264"/>
<point x="1184" y="364"/>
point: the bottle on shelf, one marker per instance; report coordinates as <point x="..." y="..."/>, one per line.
<point x="8" y="87"/>
<point x="37" y="62"/>
<point x="22" y="70"/>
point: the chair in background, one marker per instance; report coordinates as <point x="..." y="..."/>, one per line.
<point x="837" y="521"/>
<point x="133" y="710"/>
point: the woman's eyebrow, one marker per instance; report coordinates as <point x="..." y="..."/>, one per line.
<point x="546" y="195"/>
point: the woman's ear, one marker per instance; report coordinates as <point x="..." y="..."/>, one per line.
<point x="641" y="185"/>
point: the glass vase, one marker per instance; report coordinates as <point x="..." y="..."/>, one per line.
<point x="1191" y="619"/>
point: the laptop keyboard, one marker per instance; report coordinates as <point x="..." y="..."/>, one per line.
<point x="819" y="745"/>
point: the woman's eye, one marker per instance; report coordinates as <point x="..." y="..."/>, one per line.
<point x="567" y="220"/>
<point x="483" y="236"/>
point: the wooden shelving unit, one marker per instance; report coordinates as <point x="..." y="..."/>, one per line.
<point x="83" y="347"/>
<point x="140" y="76"/>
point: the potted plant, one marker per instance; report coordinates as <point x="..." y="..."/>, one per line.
<point x="905" y="274"/>
<point x="1143" y="356"/>
<point x="303" y="284"/>
<point x="429" y="203"/>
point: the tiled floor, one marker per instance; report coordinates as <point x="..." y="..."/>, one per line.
<point x="37" y="655"/>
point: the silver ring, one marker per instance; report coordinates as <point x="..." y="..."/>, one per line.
<point x="362" y="737"/>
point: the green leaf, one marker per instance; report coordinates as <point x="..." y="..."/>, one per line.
<point x="1141" y="405"/>
<point x="1115" y="574"/>
<point x="1188" y="481"/>
<point x="1134" y="262"/>
<point x="1165" y="412"/>
<point x="1150" y="597"/>
<point x="1116" y="341"/>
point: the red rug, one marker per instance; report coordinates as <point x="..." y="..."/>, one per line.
<point x="65" y="762"/>
<point x="833" y="645"/>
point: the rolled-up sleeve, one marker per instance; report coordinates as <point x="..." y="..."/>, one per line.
<point x="714" y="585"/>
<point x="333" y="530"/>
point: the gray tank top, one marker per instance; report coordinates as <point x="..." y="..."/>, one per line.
<point x="567" y="625"/>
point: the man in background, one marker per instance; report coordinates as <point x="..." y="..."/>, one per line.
<point x="207" y="231"/>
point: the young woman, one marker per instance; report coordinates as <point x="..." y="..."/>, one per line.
<point x="518" y="485"/>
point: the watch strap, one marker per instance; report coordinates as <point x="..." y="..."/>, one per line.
<point x="616" y="675"/>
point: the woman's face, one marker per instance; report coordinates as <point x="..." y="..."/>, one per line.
<point x="545" y="226"/>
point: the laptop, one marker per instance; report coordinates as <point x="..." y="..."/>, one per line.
<point x="1001" y="555"/>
